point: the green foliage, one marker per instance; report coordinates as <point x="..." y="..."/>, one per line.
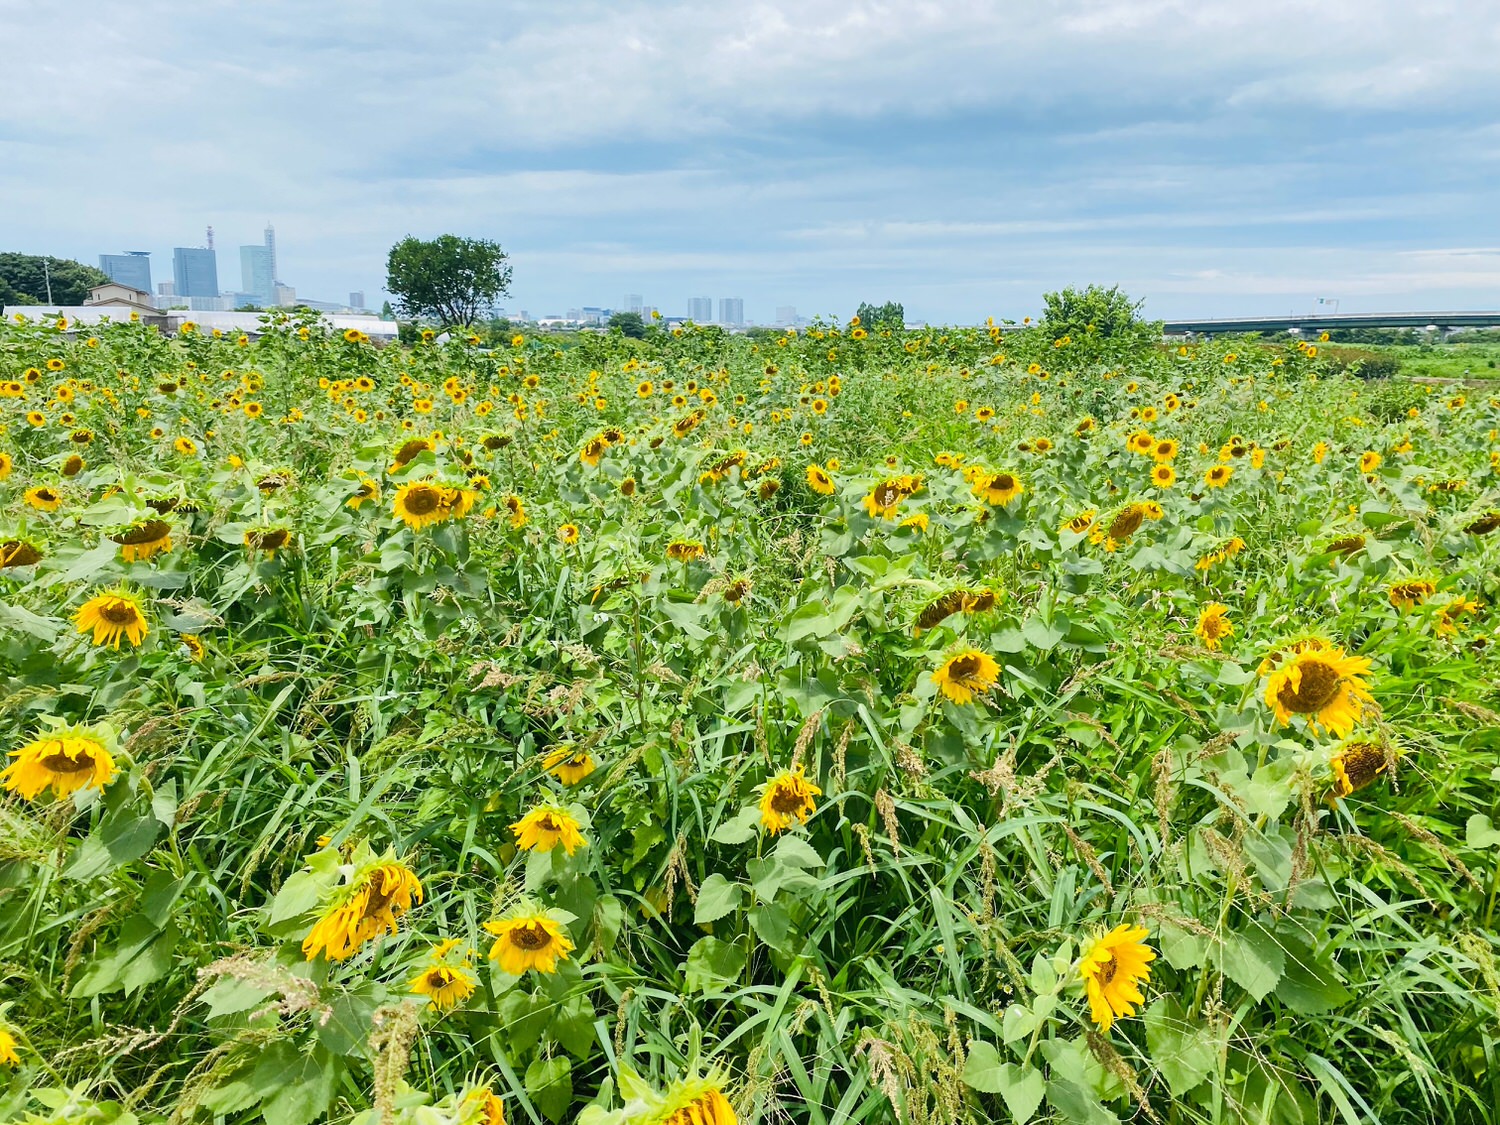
<point x="1097" y="319"/>
<point x="23" y="280"/>
<point x="910" y="954"/>
<point x="889" y="315"/>
<point x="452" y="280"/>
<point x="628" y="324"/>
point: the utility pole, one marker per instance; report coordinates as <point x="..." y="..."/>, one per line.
<point x="47" y="273"/>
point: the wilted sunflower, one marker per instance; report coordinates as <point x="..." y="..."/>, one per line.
<point x="44" y="499"/>
<point x="420" y="504"/>
<point x="18" y="552"/>
<point x="1348" y="546"/>
<point x="1355" y="764"/>
<point x="1322" y="684"/>
<point x="367" y="906"/>
<point x="65" y="760"/>
<point x="819" y="480"/>
<point x="884" y="500"/>
<point x="1127" y="522"/>
<point x="787" y="800"/>
<point x="966" y="674"/>
<point x="568" y="764"/>
<point x="72" y="466"/>
<point x="528" y="941"/>
<point x="144" y="540"/>
<point x="443" y="985"/>
<point x="194" y="644"/>
<point x="1112" y="970"/>
<point x="1450" y="617"/>
<point x="1485" y="524"/>
<point x="267" y="539"/>
<point x="408" y="451"/>
<point x="1079" y="524"/>
<point x="1410" y="594"/>
<point x="685" y="550"/>
<point x="547" y="826"/>
<point x="1213" y="625"/>
<point x="112" y="615"/>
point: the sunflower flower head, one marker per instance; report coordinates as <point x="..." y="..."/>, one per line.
<point x="1213" y="625"/>
<point x="547" y="826"/>
<point x="1322" y="684"/>
<point x="787" y="800"/>
<point x="1356" y="763"/>
<point x="966" y="674"/>
<point x="1112" y="969"/>
<point x="367" y="906"/>
<point x="66" y="759"/>
<point x="111" y="615"/>
<point x="528" y="940"/>
<point x="569" y="764"/>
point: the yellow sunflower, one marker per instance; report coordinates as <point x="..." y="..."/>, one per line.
<point x="112" y="615"/>
<point x="569" y="765"/>
<point x="43" y="498"/>
<point x="65" y="760"/>
<point x="1411" y="593"/>
<point x="1218" y="476"/>
<point x="368" y="905"/>
<point x="443" y="985"/>
<point x="528" y="941"/>
<point x="1369" y="461"/>
<point x="368" y="490"/>
<point x="144" y="540"/>
<point x="1450" y="618"/>
<point x="819" y="480"/>
<point x="787" y="800"/>
<point x="998" y="488"/>
<point x="8" y="1056"/>
<point x="685" y="550"/>
<point x="1213" y="625"/>
<point x="517" y="511"/>
<point x="547" y="826"/>
<point x="966" y="674"/>
<point x="267" y="539"/>
<point x="1163" y="476"/>
<point x="420" y="504"/>
<point x="1323" y="685"/>
<point x="568" y="534"/>
<point x="1112" y="970"/>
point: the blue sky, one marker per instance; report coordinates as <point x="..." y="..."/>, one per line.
<point x="1213" y="157"/>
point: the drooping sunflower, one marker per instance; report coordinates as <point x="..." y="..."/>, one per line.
<point x="18" y="552"/>
<point x="1112" y="970"/>
<point x="144" y="540"/>
<point x="819" y="480"/>
<point x="528" y="941"/>
<point x="1127" y="522"/>
<point x="1218" y="476"/>
<point x="111" y="615"/>
<point x="445" y="986"/>
<point x="547" y="826"/>
<point x="1323" y="685"/>
<point x="1213" y="625"/>
<point x="966" y="674"/>
<point x="787" y="800"/>
<point x="194" y="645"/>
<point x="884" y="500"/>
<point x="593" y="450"/>
<point x="1485" y="524"/>
<point x="1411" y="593"/>
<point x="569" y="764"/>
<point x="6" y="464"/>
<point x="43" y="498"/>
<point x="72" y="466"/>
<point x="420" y="504"/>
<point x="368" y="905"/>
<point x="66" y="760"/>
<point x="685" y="550"/>
<point x="1450" y="618"/>
<point x="267" y="539"/>
<point x="1356" y="763"/>
<point x="408" y="451"/>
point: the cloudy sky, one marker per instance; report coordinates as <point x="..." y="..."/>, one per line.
<point x="1213" y="156"/>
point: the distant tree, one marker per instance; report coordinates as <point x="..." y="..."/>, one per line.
<point x="23" y="279"/>
<point x="248" y="308"/>
<point x="628" y="324"/>
<point x="386" y="312"/>
<point x="889" y="315"/>
<point x="452" y="280"/>
<point x="1097" y="313"/>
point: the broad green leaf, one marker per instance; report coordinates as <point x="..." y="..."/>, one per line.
<point x="716" y="898"/>
<point x="550" y="1084"/>
<point x="1253" y="961"/>
<point x="712" y="963"/>
<point x="1181" y="1049"/>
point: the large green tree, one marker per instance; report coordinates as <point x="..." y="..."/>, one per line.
<point x="452" y="280"/>
<point x="892" y="314"/>
<point x="23" y="280"/>
<point x="1097" y="313"/>
<point x="628" y="324"/>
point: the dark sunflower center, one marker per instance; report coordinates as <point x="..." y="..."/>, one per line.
<point x="423" y="501"/>
<point x="61" y="763"/>
<point x="378" y="902"/>
<point x="1317" y="689"/>
<point x="46" y="495"/>
<point x="148" y="532"/>
<point x="530" y="937"/>
<point x="785" y="799"/>
<point x="1105" y="972"/>
<point x="120" y="613"/>
<point x="1363" y="763"/>
<point x="1214" y="626"/>
<point x="1004" y="482"/>
<point x="965" y="668"/>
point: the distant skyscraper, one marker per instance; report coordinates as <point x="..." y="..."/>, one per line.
<point x="786" y="315"/>
<point x="356" y="300"/>
<point x="701" y="310"/>
<point x="271" y="247"/>
<point x="166" y="289"/>
<point x="195" y="272"/>
<point x="732" y="311"/>
<point x="632" y="302"/>
<point x="257" y="274"/>
<point x="132" y="268"/>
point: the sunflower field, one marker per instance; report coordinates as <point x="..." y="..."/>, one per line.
<point x="840" y="726"/>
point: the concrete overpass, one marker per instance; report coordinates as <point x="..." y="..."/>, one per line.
<point x="1325" y="322"/>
